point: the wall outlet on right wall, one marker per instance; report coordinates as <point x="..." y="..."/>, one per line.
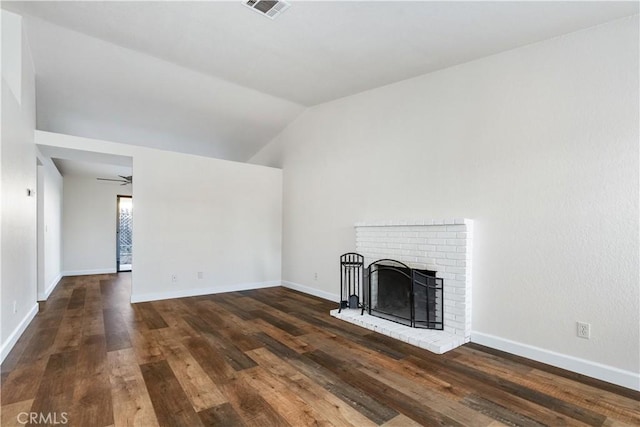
<point x="583" y="330"/>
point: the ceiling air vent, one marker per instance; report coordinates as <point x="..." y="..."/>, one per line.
<point x="268" y="8"/>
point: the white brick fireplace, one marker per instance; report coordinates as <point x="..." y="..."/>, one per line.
<point x="443" y="246"/>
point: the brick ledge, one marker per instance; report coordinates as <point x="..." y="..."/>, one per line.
<point x="438" y="342"/>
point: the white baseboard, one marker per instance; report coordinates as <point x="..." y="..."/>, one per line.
<point x="311" y="291"/>
<point x="596" y="370"/>
<point x="50" y="288"/>
<point x="89" y="272"/>
<point x="11" y="341"/>
<point x="182" y="293"/>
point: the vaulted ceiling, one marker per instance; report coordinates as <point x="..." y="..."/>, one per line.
<point x="216" y="79"/>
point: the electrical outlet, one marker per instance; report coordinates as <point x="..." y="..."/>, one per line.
<point x="174" y="277"/>
<point x="200" y="275"/>
<point x="315" y="276"/>
<point x="584" y="330"/>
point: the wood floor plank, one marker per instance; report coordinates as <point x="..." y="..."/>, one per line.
<point x="401" y="421"/>
<point x="70" y="331"/>
<point x="221" y="415"/>
<point x="452" y="409"/>
<point x="152" y="318"/>
<point x="297" y="344"/>
<point x="609" y="422"/>
<point x="201" y="391"/>
<point x="335" y="410"/>
<point x="626" y="409"/>
<point x="131" y="402"/>
<point x="231" y="318"/>
<point x="577" y="412"/>
<point x="268" y="357"/>
<point x="610" y="404"/>
<point x="283" y="399"/>
<point x="171" y="404"/>
<point x="375" y="410"/>
<point x="279" y="323"/>
<point x="276" y="347"/>
<point x="92" y="393"/>
<point x="93" y="297"/>
<point x="233" y="306"/>
<point x="13" y="414"/>
<point x="212" y="362"/>
<point x="499" y="412"/>
<point x="55" y="394"/>
<point x="465" y="385"/>
<point x="40" y="346"/>
<point x="370" y="408"/>
<point x="394" y="398"/>
<point x="145" y="345"/>
<point x="232" y="354"/>
<point x="251" y="407"/>
<point x="355" y="344"/>
<point x="234" y="357"/>
<point x="93" y="321"/>
<point x="559" y="406"/>
<point x="172" y="311"/>
<point x="22" y="383"/>
<point x="115" y="329"/>
<point x="199" y="325"/>
<point x="578" y="378"/>
<point x="50" y="319"/>
<point x="225" y="329"/>
<point x="77" y="298"/>
<point x="401" y="377"/>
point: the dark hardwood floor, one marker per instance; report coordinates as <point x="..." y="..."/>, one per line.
<point x="269" y="357"/>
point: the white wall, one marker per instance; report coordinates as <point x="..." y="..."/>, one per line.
<point x="195" y="214"/>
<point x="198" y="214"/>
<point x="538" y="145"/>
<point x="49" y="195"/>
<point x="18" y="224"/>
<point x="89" y="225"/>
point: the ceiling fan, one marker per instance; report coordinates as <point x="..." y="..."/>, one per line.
<point x="125" y="180"/>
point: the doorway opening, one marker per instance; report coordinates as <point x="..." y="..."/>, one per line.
<point x="124" y="233"/>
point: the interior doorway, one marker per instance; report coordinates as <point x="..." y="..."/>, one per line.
<point x="124" y="234"/>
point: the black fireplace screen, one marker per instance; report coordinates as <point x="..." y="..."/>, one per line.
<point x="396" y="292"/>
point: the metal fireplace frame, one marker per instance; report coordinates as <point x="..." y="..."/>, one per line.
<point x="434" y="289"/>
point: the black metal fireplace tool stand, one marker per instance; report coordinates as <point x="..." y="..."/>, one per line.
<point x="351" y="280"/>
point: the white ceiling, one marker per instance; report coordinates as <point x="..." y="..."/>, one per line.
<point x="91" y="169"/>
<point x="90" y="164"/>
<point x="218" y="79"/>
